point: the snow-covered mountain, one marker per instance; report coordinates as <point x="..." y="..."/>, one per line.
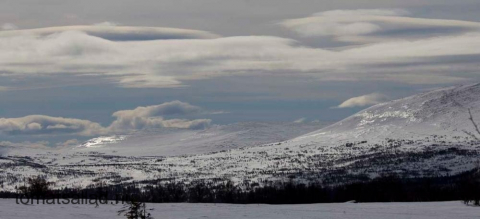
<point x="444" y="112"/>
<point x="429" y="134"/>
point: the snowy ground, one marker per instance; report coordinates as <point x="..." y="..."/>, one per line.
<point x="438" y="210"/>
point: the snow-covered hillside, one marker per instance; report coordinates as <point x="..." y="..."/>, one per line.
<point x="429" y="134"/>
<point x="429" y="210"/>
<point x="443" y="112"/>
<point x="174" y="142"/>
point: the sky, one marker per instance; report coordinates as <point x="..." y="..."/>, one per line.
<point x="73" y="70"/>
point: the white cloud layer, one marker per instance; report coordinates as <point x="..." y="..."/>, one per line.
<point x="373" y="25"/>
<point x="126" y="121"/>
<point x="40" y="124"/>
<point x="152" y="117"/>
<point x="365" y="100"/>
<point x="340" y="22"/>
<point x="86" y="50"/>
<point x="124" y="55"/>
<point x="106" y="24"/>
<point x="110" y="31"/>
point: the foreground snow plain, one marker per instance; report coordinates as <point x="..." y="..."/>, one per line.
<point x="438" y="210"/>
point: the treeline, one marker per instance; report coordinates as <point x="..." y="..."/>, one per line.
<point x="389" y="188"/>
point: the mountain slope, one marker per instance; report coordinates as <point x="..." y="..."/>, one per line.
<point x="429" y="134"/>
<point x="175" y="142"/>
<point x="443" y="112"/>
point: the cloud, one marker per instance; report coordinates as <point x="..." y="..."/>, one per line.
<point x="110" y="31"/>
<point x="41" y="125"/>
<point x="338" y="22"/>
<point x="186" y="124"/>
<point x="140" y="118"/>
<point x="192" y="55"/>
<point x="152" y="117"/>
<point x="170" y="108"/>
<point x="365" y="100"/>
<point x="9" y="26"/>
<point x="372" y="25"/>
<point x="106" y="24"/>
<point x="219" y="112"/>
